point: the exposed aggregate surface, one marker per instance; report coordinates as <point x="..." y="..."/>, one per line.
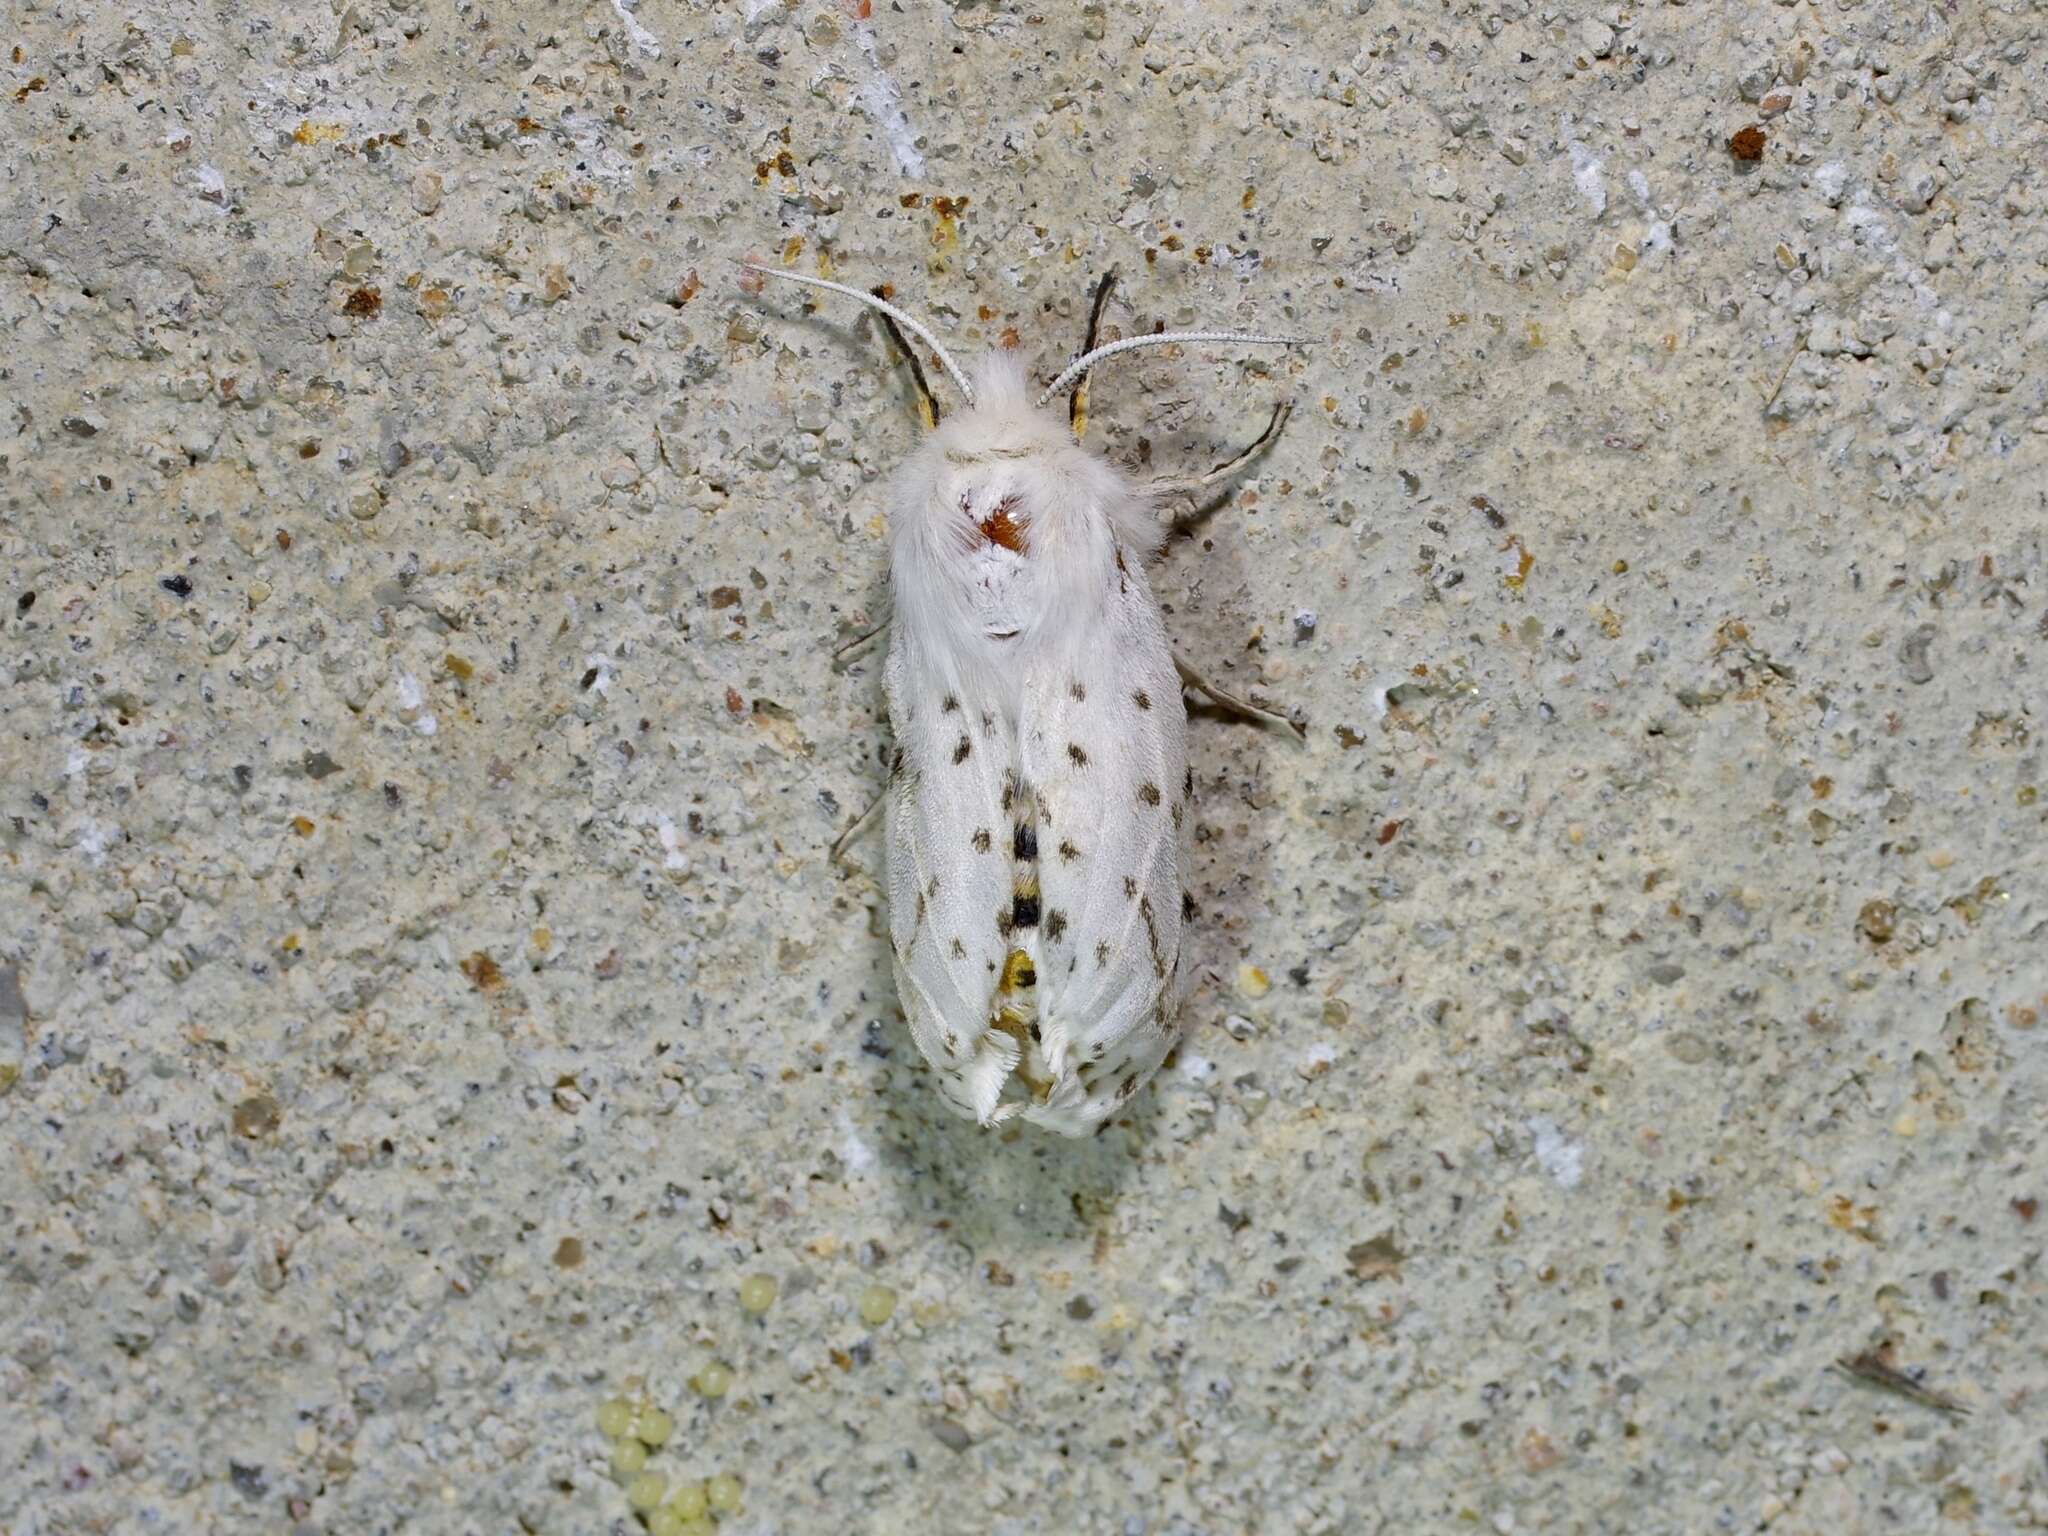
<point x="424" y="995"/>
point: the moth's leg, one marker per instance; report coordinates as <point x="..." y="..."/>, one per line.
<point x="1077" y="402"/>
<point x="847" y="654"/>
<point x="862" y="823"/>
<point x="1184" y="487"/>
<point x="927" y="402"/>
<point x="1244" y="709"/>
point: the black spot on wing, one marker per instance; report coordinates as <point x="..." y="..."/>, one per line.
<point x="1055" y="925"/>
<point x="949" y="705"/>
<point x="1152" y="937"/>
<point x="982" y="840"/>
<point x="962" y="749"/>
<point x="1142" y="699"/>
<point x="1149" y="794"/>
<point x="1068" y="852"/>
<point x="1078" y="753"/>
<point x="1077" y="691"/>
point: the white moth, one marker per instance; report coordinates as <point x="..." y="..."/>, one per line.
<point x="1038" y="804"/>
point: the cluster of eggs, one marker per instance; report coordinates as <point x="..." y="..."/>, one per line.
<point x="638" y="1428"/>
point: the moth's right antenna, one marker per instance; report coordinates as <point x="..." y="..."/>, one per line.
<point x="884" y="306"/>
<point x="1077" y="403"/>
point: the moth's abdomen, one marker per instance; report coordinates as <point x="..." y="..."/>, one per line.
<point x="1016" y="998"/>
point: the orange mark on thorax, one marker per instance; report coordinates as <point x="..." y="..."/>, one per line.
<point x="1003" y="530"/>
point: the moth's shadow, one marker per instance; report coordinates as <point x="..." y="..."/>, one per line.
<point x="1005" y="1191"/>
<point x="862" y="337"/>
<point x="1201" y="582"/>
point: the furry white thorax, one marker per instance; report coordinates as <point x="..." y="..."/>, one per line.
<point x="983" y="614"/>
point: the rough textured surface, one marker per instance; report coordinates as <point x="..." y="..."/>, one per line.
<point x="423" y="993"/>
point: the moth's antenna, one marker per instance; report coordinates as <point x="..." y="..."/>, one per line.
<point x="945" y="360"/>
<point x="1077" y="403"/>
<point x="1086" y="361"/>
<point x="927" y="403"/>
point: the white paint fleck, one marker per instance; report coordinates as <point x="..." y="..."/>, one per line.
<point x="1563" y="1160"/>
<point x="1874" y="233"/>
<point x="1317" y="1059"/>
<point x="1831" y="181"/>
<point x="1244" y="263"/>
<point x="854" y="1151"/>
<point x="1639" y="184"/>
<point x="1869" y="227"/>
<point x="1586" y="176"/>
<point x="601" y="158"/>
<point x="412" y="702"/>
<point x="1197" y="1069"/>
<point x="601" y="685"/>
<point x="75" y="761"/>
<point x="643" y="39"/>
<point x="92" y="842"/>
<point x="884" y="103"/>
<point x="671" y="844"/>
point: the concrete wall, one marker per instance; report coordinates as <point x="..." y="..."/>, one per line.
<point x="424" y="995"/>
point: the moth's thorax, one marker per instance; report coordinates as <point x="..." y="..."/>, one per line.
<point x="1005" y="539"/>
<point x="983" y="519"/>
